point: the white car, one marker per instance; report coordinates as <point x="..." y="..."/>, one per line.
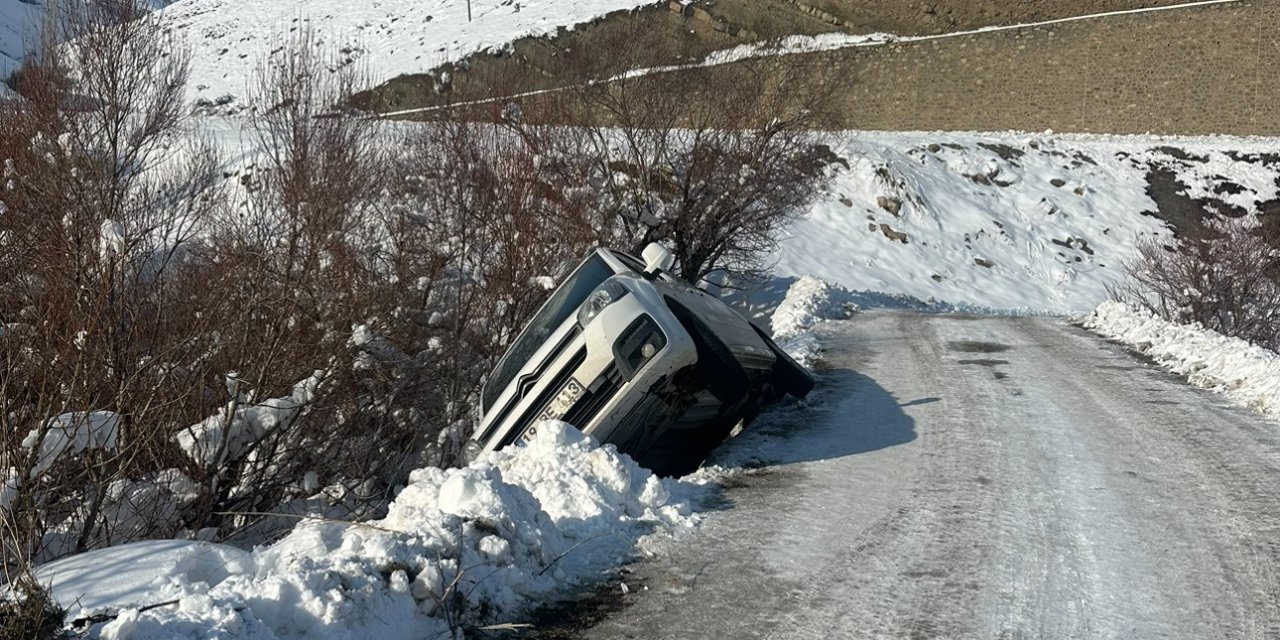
<point x="635" y="357"/>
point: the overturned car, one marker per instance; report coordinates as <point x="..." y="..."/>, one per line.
<point x="637" y="358"/>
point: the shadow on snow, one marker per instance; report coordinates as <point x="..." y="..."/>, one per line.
<point x="848" y="414"/>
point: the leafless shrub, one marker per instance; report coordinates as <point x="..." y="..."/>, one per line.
<point x="714" y="162"/>
<point x="491" y="220"/>
<point x="92" y="246"/>
<point x="399" y="275"/>
<point x="1224" y="275"/>
<point x="290" y="268"/>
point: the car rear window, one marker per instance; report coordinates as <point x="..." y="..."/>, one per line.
<point x="563" y="303"/>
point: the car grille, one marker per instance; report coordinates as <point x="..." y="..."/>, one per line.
<point x="527" y="382"/>
<point x="544" y="398"/>
<point x="605" y="387"/>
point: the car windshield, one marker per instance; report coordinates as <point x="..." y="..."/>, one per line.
<point x="565" y="301"/>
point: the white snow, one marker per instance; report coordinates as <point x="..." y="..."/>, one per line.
<point x="808" y="301"/>
<point x="111" y="240"/>
<point x="940" y="217"/>
<point x="1249" y="375"/>
<point x="231" y="432"/>
<point x="138" y="574"/>
<point x="71" y="434"/>
<point x="797" y="44"/>
<point x="231" y="38"/>
<point x="496" y="537"/>
<point x="761" y="49"/>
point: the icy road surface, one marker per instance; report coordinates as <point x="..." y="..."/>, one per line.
<point x="988" y="478"/>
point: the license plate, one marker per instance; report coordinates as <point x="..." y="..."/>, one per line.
<point x="564" y="401"/>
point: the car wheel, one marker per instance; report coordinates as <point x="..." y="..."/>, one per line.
<point x="679" y="452"/>
<point x="788" y="376"/>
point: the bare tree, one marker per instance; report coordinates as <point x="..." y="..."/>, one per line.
<point x="93" y="239"/>
<point x="500" y="219"/>
<point x="715" y="162"/>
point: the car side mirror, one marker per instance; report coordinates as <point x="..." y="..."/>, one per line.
<point x="657" y="258"/>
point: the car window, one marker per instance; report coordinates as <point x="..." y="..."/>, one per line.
<point x="563" y="303"/>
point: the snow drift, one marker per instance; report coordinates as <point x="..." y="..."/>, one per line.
<point x="458" y="547"/>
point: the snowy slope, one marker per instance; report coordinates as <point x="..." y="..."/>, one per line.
<point x="1032" y="222"/>
<point x="20" y="22"/>
<point x="19" y="28"/>
<point x="390" y="37"/>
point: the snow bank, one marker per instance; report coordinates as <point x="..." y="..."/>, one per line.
<point x="138" y="574"/>
<point x="1249" y="375"/>
<point x="457" y="547"/>
<point x="808" y="301"/>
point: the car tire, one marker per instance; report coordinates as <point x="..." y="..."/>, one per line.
<point x="789" y="377"/>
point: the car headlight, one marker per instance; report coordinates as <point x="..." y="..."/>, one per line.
<point x="608" y="293"/>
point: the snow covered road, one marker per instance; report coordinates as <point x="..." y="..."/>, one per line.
<point x="982" y="477"/>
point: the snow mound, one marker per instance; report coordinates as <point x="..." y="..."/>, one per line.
<point x="457" y="547"/>
<point x="138" y="574"/>
<point x="808" y="301"/>
<point x="1247" y="374"/>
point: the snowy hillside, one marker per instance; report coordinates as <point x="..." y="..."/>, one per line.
<point x="19" y="27"/>
<point x="20" y="22"/>
<point x="1036" y="222"/>
<point x="392" y="37"/>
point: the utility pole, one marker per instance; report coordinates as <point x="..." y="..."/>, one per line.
<point x="468" y="10"/>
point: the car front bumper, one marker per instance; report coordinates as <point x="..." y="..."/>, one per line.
<point x="581" y="381"/>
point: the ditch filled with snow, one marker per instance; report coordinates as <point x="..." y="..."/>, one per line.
<point x="458" y="548"/>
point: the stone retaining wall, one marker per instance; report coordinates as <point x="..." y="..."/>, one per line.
<point x="1202" y="70"/>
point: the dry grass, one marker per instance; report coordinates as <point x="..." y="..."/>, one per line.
<point x="31" y="614"/>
